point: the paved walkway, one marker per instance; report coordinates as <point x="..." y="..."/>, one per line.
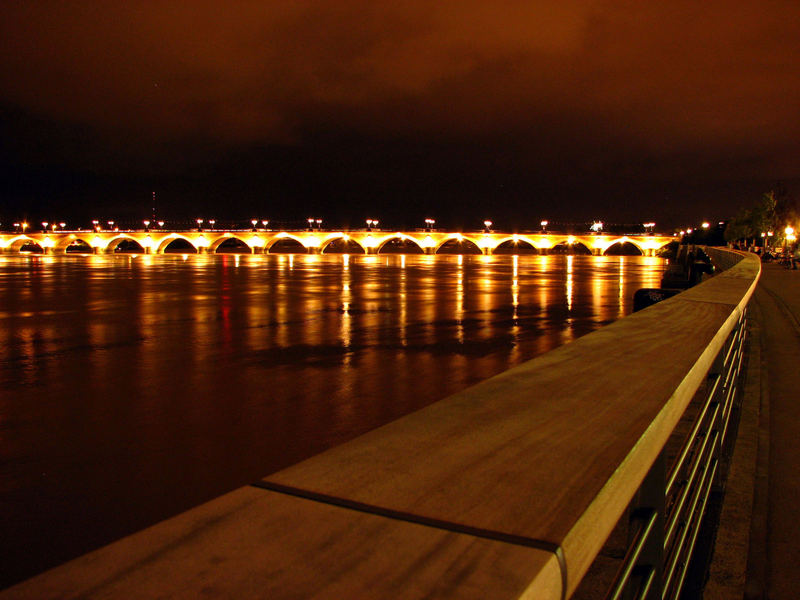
<point x="761" y="516"/>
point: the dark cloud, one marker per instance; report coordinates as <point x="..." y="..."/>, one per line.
<point x="457" y="103"/>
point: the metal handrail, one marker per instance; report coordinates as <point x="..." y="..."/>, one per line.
<point x="688" y="485"/>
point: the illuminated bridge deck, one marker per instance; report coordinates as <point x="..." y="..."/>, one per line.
<point x="320" y="241"/>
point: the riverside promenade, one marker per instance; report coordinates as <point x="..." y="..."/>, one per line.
<point x="508" y="489"/>
<point x="758" y="545"/>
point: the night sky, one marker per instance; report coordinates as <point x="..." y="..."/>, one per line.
<point x="458" y="110"/>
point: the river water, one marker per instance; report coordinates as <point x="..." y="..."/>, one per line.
<point x="135" y="387"/>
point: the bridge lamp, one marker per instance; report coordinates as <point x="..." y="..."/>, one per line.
<point x="62" y="225"/>
<point x="16" y="225"/>
<point x="544" y="225"/>
<point x="254" y="222"/>
<point x="369" y="224"/>
<point x="161" y="223"/>
<point x="319" y="223"/>
<point x="146" y="225"/>
<point x="689" y="230"/>
<point x="487" y="224"/>
<point x="265" y="222"/>
<point x="96" y="224"/>
<point x="44" y="225"/>
<point x="310" y="224"/>
<point x="199" y="224"/>
<point x="211" y="222"/>
<point x="24" y="227"/>
<point x="597" y="226"/>
<point x="705" y="225"/>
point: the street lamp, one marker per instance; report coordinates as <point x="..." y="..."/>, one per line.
<point x="487" y="226"/>
<point x="544" y="225"/>
<point x="96" y="224"/>
<point x="429" y="223"/>
<point x="310" y="224"/>
<point x="705" y="225"/>
<point x="319" y="223"/>
<point x="44" y="225"/>
<point x="212" y="222"/>
<point x="265" y="222"/>
<point x="199" y="224"/>
<point x="160" y="224"/>
<point x="369" y="224"/>
<point x="146" y="225"/>
<point x="254" y="222"/>
<point x="597" y="226"/>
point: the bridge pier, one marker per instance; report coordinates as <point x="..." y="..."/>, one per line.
<point x="313" y="250"/>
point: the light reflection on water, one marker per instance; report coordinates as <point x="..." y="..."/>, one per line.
<point x="134" y="387"/>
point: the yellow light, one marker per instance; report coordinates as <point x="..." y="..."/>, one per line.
<point x="459" y="237"/>
<point x="48" y="243"/>
<point x="147" y="242"/>
<point x="789" y="230"/>
<point x="428" y="242"/>
<point x="201" y="242"/>
<point x="486" y="242"/>
<point x="571" y="239"/>
<point x="255" y="241"/>
<point x="311" y="242"/>
<point x="97" y="242"/>
<point x="370" y="242"/>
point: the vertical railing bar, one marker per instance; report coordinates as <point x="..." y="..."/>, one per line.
<point x="647" y="584"/>
<point x="731" y="388"/>
<point x="622" y="577"/>
<point x="690" y="480"/>
<point x="696" y="531"/>
<point x="678" y="549"/>
<point x="678" y="464"/>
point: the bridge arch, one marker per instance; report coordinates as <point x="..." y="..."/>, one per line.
<point x="165" y="242"/>
<point x="458" y="244"/>
<point x="399" y="244"/>
<point x="515" y="245"/>
<point x="570" y="246"/>
<point x="114" y="243"/>
<point x="623" y="247"/>
<point x="74" y="244"/>
<point x="224" y="242"/>
<point x="17" y="243"/>
<point x="285" y="243"/>
<point x="341" y="244"/>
